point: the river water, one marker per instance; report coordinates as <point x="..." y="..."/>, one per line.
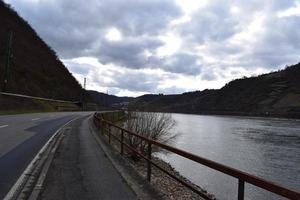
<point x="268" y="148"/>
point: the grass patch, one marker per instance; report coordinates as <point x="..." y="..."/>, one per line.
<point x="18" y="105"/>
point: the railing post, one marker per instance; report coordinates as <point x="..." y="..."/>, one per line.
<point x="96" y="122"/>
<point x="122" y="141"/>
<point x="148" y="161"/>
<point x="106" y="128"/>
<point x="109" y="132"/>
<point x="241" y="190"/>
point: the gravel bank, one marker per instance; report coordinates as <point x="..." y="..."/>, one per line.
<point x="167" y="185"/>
<point x="171" y="189"/>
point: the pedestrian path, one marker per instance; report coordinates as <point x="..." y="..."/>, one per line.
<point x="81" y="170"/>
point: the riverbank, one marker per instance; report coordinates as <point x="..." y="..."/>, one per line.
<point x="229" y="140"/>
<point x="167" y="186"/>
<point x="256" y="145"/>
<point x="233" y="114"/>
<point x="171" y="189"/>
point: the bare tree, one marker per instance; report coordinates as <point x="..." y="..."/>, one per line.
<point x="155" y="126"/>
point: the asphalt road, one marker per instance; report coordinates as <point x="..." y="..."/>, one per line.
<point x="81" y="169"/>
<point x="21" y="138"/>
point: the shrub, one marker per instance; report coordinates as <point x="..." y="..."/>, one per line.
<point x="155" y="126"/>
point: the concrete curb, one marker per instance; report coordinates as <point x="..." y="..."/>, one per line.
<point x="30" y="182"/>
<point x="140" y="186"/>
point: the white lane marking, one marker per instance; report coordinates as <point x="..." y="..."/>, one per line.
<point x="34" y="119"/>
<point x="21" y="180"/>
<point x="3" y="126"/>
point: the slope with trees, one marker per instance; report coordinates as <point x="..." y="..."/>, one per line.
<point x="274" y="94"/>
<point x="35" y="69"/>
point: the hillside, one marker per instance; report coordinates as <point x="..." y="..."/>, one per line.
<point x="106" y="99"/>
<point x="35" y="68"/>
<point x="275" y="94"/>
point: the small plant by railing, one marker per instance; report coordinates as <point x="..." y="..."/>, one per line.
<point x="242" y="177"/>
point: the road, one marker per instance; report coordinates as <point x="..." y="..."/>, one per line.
<point x="21" y="137"/>
<point x="82" y="170"/>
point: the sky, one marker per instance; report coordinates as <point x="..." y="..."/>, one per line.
<point x="134" y="47"/>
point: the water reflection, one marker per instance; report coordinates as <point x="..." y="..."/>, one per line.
<point x="269" y="148"/>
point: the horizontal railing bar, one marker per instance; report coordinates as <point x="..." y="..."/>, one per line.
<point x="181" y="181"/>
<point x="114" y="137"/>
<point x="249" y="178"/>
<point x="37" y="98"/>
<point x="105" y="129"/>
<point x="134" y="150"/>
<point x="168" y="173"/>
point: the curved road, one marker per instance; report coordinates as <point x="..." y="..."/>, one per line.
<point x="21" y="138"/>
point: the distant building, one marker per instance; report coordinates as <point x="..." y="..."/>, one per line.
<point x="122" y="105"/>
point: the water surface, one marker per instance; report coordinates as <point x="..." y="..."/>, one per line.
<point x="268" y="148"/>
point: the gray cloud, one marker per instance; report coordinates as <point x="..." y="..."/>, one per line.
<point x="181" y="63"/>
<point x="216" y="22"/>
<point x="208" y="76"/>
<point x="171" y="90"/>
<point x="133" y="80"/>
<point x="73" y="27"/>
<point x="127" y="53"/>
<point x="277" y="46"/>
<point x="139" y="81"/>
<point x="211" y="24"/>
<point x="76" y="68"/>
<point x="76" y="28"/>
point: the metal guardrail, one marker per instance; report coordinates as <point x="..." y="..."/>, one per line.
<point x="240" y="175"/>
<point x="37" y="98"/>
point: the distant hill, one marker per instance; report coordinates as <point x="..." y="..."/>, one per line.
<point x="273" y="94"/>
<point x="35" y="68"/>
<point x="106" y="99"/>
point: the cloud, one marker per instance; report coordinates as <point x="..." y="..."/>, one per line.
<point x="208" y="76"/>
<point x="74" y="27"/>
<point x="166" y="46"/>
<point x="141" y="82"/>
<point x="171" y="90"/>
<point x="120" y="80"/>
<point x="128" y="52"/>
<point x="214" y="23"/>
<point x="77" y="68"/>
<point x="244" y="35"/>
<point x="134" y="81"/>
<point x="276" y="45"/>
<point x="181" y="63"/>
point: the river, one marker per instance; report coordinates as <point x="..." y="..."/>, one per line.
<point x="266" y="147"/>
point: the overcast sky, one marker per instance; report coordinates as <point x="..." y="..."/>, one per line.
<point x="135" y="47"/>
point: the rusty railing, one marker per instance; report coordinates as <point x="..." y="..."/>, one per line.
<point x="240" y="175"/>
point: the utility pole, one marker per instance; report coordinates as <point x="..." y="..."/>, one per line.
<point x="83" y="94"/>
<point x="84" y="85"/>
<point x="7" y="60"/>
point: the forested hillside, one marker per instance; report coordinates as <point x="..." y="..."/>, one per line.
<point x="274" y="94"/>
<point x="106" y="99"/>
<point x="35" y="68"/>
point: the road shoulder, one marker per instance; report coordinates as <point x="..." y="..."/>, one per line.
<point x="138" y="184"/>
<point x="81" y="170"/>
